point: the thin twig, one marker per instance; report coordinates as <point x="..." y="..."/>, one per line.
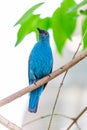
<point x="62" y="115"/>
<point x="58" y="93"/>
<point x="45" y="116"/>
<point x="78" y="126"/>
<point x="9" y="124"/>
<point x="75" y="119"/>
<point x="44" y="80"/>
<point x="79" y="44"/>
<point x="54" y="106"/>
<point x="61" y="84"/>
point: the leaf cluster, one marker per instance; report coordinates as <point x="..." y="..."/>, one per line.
<point x="62" y="22"/>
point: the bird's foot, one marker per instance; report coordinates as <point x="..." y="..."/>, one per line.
<point x="35" y="83"/>
<point x="49" y="75"/>
<point x="61" y="67"/>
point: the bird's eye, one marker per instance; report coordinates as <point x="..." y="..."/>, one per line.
<point x="46" y="33"/>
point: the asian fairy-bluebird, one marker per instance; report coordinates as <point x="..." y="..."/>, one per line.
<point x="39" y="65"/>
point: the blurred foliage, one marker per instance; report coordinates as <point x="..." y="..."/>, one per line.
<point x="84" y="12"/>
<point x="63" y="22"/>
<point x="84" y="29"/>
<point x="75" y="7"/>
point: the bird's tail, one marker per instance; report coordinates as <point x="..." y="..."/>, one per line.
<point x="34" y="99"/>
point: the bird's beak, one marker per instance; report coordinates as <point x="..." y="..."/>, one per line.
<point x="39" y="30"/>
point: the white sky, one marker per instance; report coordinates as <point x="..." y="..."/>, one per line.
<point x="13" y="61"/>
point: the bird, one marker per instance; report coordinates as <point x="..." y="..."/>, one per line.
<point x="40" y="64"/>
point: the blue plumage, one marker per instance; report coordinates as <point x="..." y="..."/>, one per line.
<point x="39" y="65"/>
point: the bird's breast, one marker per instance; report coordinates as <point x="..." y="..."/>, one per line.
<point x="43" y="61"/>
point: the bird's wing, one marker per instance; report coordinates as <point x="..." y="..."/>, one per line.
<point x="46" y="75"/>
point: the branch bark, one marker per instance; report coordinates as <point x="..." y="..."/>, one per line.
<point x="9" y="124"/>
<point x="44" y="80"/>
<point x="75" y="119"/>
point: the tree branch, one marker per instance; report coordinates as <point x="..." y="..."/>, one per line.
<point x="61" y="84"/>
<point x="60" y="87"/>
<point x="75" y="119"/>
<point x="45" y="116"/>
<point x="44" y="80"/>
<point x="9" y="124"/>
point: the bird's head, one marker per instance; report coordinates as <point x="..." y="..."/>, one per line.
<point x="43" y="34"/>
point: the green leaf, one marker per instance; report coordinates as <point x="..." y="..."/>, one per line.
<point x="83" y="12"/>
<point x="63" y="24"/>
<point x="28" y="14"/>
<point x="28" y="23"/>
<point x="77" y="6"/>
<point x="59" y="37"/>
<point x="84" y="31"/>
<point x="27" y="27"/>
<point x="44" y="23"/>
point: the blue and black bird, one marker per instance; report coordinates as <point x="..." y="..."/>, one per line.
<point x="40" y="64"/>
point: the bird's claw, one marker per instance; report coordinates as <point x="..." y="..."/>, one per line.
<point x="35" y="83"/>
<point x="49" y="75"/>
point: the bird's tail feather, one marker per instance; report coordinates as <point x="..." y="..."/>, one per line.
<point x="34" y="99"/>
